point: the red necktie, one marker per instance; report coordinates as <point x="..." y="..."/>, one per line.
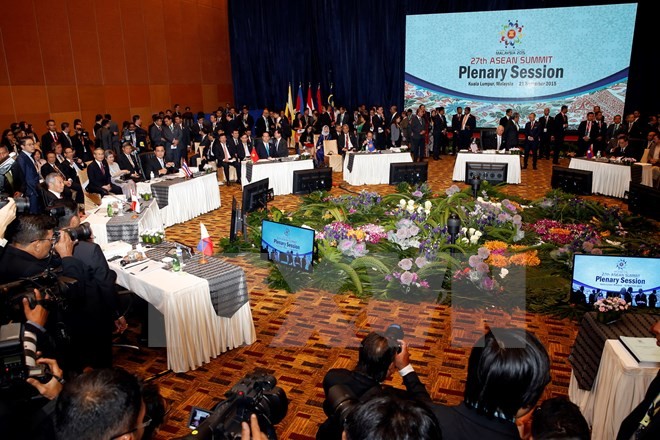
<point x="102" y="169"/>
<point x="54" y="137"/>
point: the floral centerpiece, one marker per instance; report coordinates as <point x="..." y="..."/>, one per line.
<point x="609" y="310"/>
<point x="515" y="151"/>
<point x="628" y="161"/>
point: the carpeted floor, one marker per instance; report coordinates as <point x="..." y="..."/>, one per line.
<point x="301" y="336"/>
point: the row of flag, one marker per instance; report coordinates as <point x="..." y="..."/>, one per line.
<point x="302" y="105"/>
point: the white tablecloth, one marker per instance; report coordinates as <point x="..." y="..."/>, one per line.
<point x="280" y="174"/>
<point x="512" y="161"/>
<point x="194" y="332"/>
<point x="619" y="387"/>
<point x="149" y="220"/>
<point x="188" y="199"/>
<point x="611" y="179"/>
<point x="373" y="168"/>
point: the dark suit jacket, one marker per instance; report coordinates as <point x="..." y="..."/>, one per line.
<point x="240" y="151"/>
<point x="582" y="132"/>
<point x="47" y="141"/>
<point x="82" y="147"/>
<point x="511" y="135"/>
<point x="534" y="133"/>
<point x="26" y="180"/>
<point x="546" y="123"/>
<point x="261" y="126"/>
<point x="125" y="164"/>
<point x="47" y="169"/>
<point x="455" y="122"/>
<point x="169" y="134"/>
<point x="262" y="150"/>
<point x="416" y="126"/>
<point x="504" y="120"/>
<point x="631" y="423"/>
<point x="97" y="179"/>
<point x="156" y="136"/>
<point x="489" y="140"/>
<point x="341" y="142"/>
<point x="152" y="165"/>
<point x="280" y="148"/>
<point x="559" y="129"/>
<point x="613" y="131"/>
<point x="326" y="119"/>
<point x="345" y="119"/>
<point x="364" y="387"/>
<point x="464" y="423"/>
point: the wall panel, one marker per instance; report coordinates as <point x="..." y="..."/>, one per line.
<point x="65" y="59"/>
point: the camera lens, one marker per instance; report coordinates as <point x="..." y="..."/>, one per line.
<point x="80" y="232"/>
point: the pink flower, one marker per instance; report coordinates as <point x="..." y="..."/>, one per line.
<point x="406" y="264"/>
<point x="482" y="267"/>
<point x="488" y="283"/>
<point x="474" y="260"/>
<point x="406" y="278"/>
<point x="421" y="262"/>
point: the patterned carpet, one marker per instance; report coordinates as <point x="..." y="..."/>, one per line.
<point x="301" y="336"/>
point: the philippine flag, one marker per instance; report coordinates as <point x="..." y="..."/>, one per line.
<point x="205" y="245"/>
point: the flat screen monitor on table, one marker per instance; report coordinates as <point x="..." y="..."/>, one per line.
<point x="571" y="180"/>
<point x="307" y="181"/>
<point x="598" y="276"/>
<point x="255" y="195"/>
<point x="411" y="172"/>
<point x="494" y="173"/>
<point x="288" y="245"/>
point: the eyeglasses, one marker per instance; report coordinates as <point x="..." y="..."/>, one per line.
<point x="146" y="422"/>
<point x="52" y="239"/>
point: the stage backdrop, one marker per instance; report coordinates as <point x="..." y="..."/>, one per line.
<point x="522" y="59"/>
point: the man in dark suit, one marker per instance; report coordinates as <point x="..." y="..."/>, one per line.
<point x="494" y="140"/>
<point x="245" y="121"/>
<point x="508" y="369"/>
<point x="71" y="166"/>
<point x="264" y="123"/>
<point x="244" y="150"/>
<point x="280" y="145"/>
<point x="455" y="127"/>
<point x="55" y="190"/>
<point x="418" y="132"/>
<point x="156" y="132"/>
<point x="98" y="174"/>
<point x="50" y="137"/>
<point x="344" y="117"/>
<point x="532" y="139"/>
<point x="227" y="157"/>
<point x="186" y="138"/>
<point x="325" y="118"/>
<point x="587" y="131"/>
<point x="378" y="357"/>
<point x="51" y="165"/>
<point x="346" y="141"/>
<point x="468" y="124"/>
<point x="127" y="160"/>
<point x="158" y="165"/>
<point x="172" y="136"/>
<point x="504" y="120"/>
<point x="264" y="147"/>
<point x="26" y="177"/>
<point x="560" y="127"/>
<point x="439" y="132"/>
<point x="378" y="128"/>
<point x="200" y="127"/>
<point x="82" y="144"/>
<point x="6" y="176"/>
<point x="546" y="133"/>
<point x="624" y="148"/>
<point x="511" y="132"/>
<point x="141" y="135"/>
<point x="65" y="138"/>
<point x="613" y="131"/>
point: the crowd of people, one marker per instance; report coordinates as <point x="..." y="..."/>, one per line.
<point x="507" y="369"/>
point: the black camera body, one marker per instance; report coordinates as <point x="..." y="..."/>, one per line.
<point x="52" y="286"/>
<point x="17" y="361"/>
<point x="22" y="203"/>
<point x="394" y="333"/>
<point x="254" y="394"/>
<point x="81" y="232"/>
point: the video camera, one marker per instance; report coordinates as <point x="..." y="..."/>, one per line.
<point x="254" y="394"/>
<point x="22" y="203"/>
<point x="17" y="356"/>
<point x="51" y="284"/>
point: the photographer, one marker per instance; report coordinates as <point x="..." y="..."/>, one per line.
<point x="34" y="249"/>
<point x="379" y="356"/>
<point x="7" y="215"/>
<point x="102" y="307"/>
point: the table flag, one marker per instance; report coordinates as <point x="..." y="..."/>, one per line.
<point x="205" y="245"/>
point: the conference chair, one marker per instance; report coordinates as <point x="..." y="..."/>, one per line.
<point x="144" y="158"/>
<point x="332" y="157"/>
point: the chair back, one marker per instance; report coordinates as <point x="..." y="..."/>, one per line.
<point x="645" y="156"/>
<point x="144" y="158"/>
<point x="330" y="147"/>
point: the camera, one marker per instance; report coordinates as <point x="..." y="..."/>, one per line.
<point x="53" y="288"/>
<point x="340" y="402"/>
<point x="81" y="232"/>
<point x="256" y="394"/>
<point x="17" y="356"/>
<point x="22" y="203"/>
<point x="394" y="333"/>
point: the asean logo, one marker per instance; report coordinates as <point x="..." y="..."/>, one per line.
<point x="511" y="34"/>
<point x="621" y="264"/>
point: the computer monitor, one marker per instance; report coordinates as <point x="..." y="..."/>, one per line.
<point x="494" y="173"/>
<point x="571" y="180"/>
<point x="289" y="245"/>
<point x="255" y="196"/>
<point x="411" y="172"/>
<point x="238" y="223"/>
<point x="307" y="181"/>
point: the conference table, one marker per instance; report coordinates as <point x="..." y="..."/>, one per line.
<point x="127" y="226"/>
<point x="607" y="382"/>
<point x="513" y="174"/>
<point x="279" y="172"/>
<point x="611" y="179"/>
<point x="371" y="168"/>
<point x="205" y="307"/>
<point x="180" y="199"/>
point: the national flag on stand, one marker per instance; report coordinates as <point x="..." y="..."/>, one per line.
<point x="187" y="171"/>
<point x="135" y="203"/>
<point x="289" y="112"/>
<point x="319" y="100"/>
<point x="253" y="155"/>
<point x="205" y="245"/>
<point x="310" y="101"/>
<point x="300" y="103"/>
<point x="331" y="102"/>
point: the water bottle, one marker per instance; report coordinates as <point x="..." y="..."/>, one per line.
<point x="110" y="211"/>
<point x="151" y="176"/>
<point x="177" y="264"/>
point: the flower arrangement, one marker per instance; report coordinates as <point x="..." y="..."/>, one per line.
<point x="610" y="309"/>
<point x="515" y="151"/>
<point x="628" y="161"/>
<point x="408" y="279"/>
<point x="146" y="196"/>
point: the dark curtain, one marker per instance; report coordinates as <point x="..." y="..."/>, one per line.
<point x="358" y="45"/>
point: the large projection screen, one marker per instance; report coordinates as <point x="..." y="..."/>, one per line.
<point x="521" y="59"/>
